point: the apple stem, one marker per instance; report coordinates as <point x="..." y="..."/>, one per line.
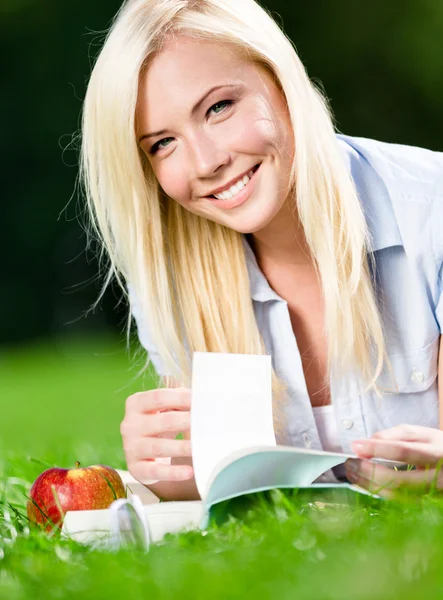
<point x="77" y="464"/>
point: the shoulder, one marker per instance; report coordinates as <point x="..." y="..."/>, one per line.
<point x="403" y="188"/>
<point x="405" y="170"/>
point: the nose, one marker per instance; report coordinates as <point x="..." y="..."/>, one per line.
<point x="207" y="155"/>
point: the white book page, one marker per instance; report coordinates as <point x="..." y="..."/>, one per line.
<point x="231" y="408"/>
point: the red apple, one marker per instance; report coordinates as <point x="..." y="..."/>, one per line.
<point x="56" y="491"/>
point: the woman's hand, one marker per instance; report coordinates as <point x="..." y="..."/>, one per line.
<point x="152" y="421"/>
<point x="421" y="447"/>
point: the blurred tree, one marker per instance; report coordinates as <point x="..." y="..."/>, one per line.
<point x="49" y="47"/>
<point x="381" y="64"/>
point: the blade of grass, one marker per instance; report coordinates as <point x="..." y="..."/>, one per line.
<point x="109" y="483"/>
<point x="40" y="462"/>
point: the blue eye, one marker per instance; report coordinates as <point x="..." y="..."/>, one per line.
<point x="157" y="146"/>
<point x="227" y="102"/>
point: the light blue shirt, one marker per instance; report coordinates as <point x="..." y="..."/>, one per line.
<point x="401" y="192"/>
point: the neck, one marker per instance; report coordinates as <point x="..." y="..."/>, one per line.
<point x="282" y="243"/>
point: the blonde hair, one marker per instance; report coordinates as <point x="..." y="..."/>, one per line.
<point x="188" y="273"/>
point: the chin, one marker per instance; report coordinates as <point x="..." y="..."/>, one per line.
<point x="252" y="223"/>
<point x="247" y="229"/>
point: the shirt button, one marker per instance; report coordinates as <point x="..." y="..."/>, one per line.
<point x="417" y="376"/>
<point x="347" y="423"/>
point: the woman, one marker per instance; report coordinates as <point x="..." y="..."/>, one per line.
<point x="240" y="222"/>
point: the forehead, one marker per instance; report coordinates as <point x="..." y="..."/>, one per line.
<point x="183" y="70"/>
<point x="185" y="60"/>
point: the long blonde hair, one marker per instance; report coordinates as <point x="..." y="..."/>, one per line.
<point x="189" y="274"/>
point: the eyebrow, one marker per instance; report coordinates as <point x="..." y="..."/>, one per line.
<point x="193" y="111"/>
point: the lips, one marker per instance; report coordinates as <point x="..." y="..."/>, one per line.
<point x="227" y="186"/>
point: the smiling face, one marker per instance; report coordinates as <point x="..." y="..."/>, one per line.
<point x="236" y="127"/>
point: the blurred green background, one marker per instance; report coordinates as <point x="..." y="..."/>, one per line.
<point x="381" y="65"/>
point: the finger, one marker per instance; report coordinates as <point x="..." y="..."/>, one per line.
<point x="146" y="471"/>
<point x="167" y="422"/>
<point x="407" y="433"/>
<point x="158" y="400"/>
<point x="142" y="425"/>
<point x="375" y="477"/>
<point x="358" y="474"/>
<point x="411" y="453"/>
<point x="159" y="447"/>
<point x="373" y="488"/>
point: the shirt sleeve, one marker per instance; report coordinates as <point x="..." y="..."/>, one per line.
<point x="437" y="232"/>
<point x="144" y="335"/>
<point x="439" y="307"/>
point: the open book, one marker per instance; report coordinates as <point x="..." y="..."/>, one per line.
<point x="233" y="447"/>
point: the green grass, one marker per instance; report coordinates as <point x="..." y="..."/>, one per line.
<point x="63" y="402"/>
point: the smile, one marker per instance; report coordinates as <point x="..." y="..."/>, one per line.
<point x="236" y="187"/>
<point x="236" y="194"/>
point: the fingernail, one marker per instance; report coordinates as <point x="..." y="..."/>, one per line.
<point x="186" y="473"/>
<point x="358" y="447"/>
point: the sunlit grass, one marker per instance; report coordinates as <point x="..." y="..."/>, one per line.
<point x="62" y="403"/>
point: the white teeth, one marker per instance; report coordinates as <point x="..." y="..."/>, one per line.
<point x="238" y="186"/>
<point x="234" y="189"/>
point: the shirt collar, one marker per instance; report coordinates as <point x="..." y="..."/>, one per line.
<point x="375" y="190"/>
<point x="260" y="288"/>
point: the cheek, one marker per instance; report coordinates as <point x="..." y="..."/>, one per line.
<point x="274" y="124"/>
<point x="255" y="130"/>
<point x="254" y="137"/>
<point x="174" y="183"/>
